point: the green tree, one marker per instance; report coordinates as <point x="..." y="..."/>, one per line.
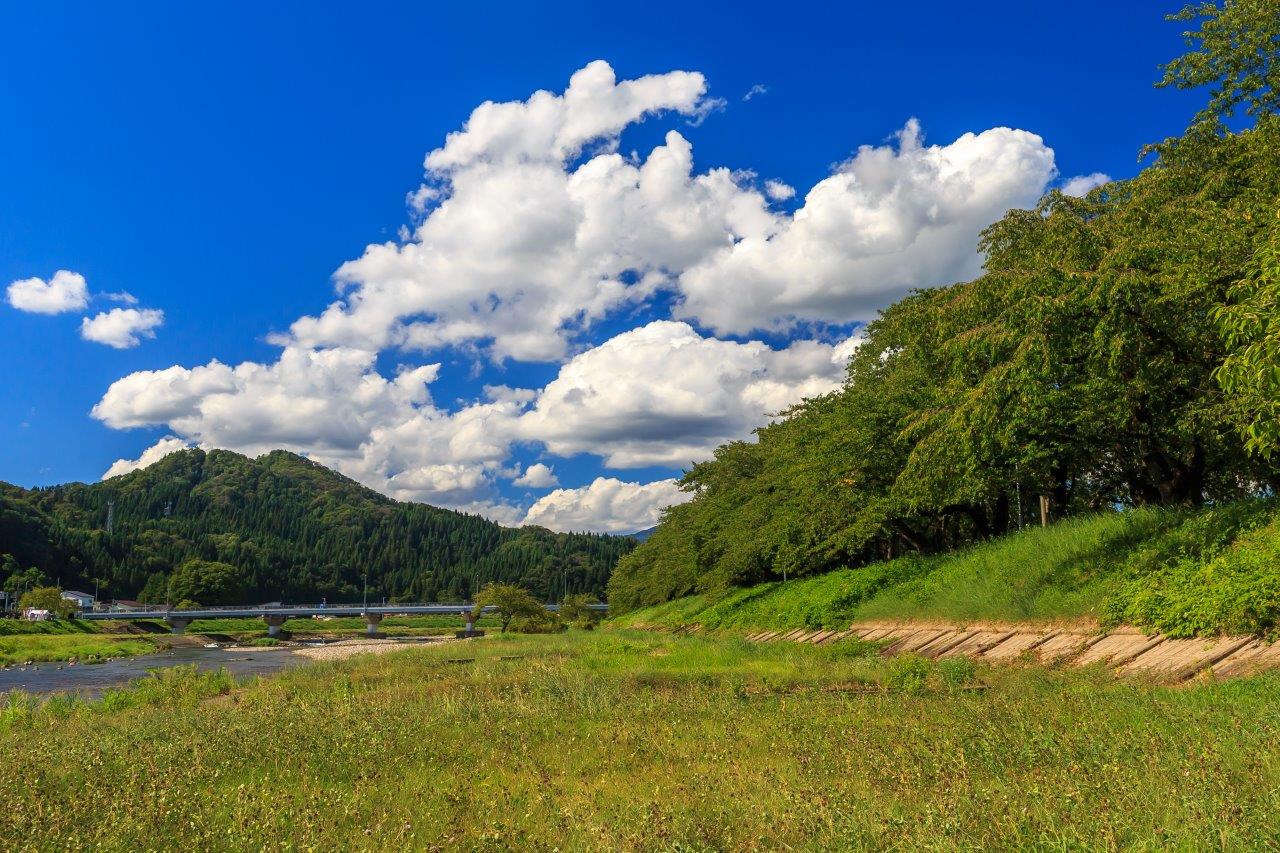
<point x="18" y="579"/>
<point x="48" y="598"/>
<point x="1250" y="323"/>
<point x="1234" y="54"/>
<point x="208" y="582"/>
<point x="509" y="601"/>
<point x="155" y="590"/>
<point x="576" y="608"/>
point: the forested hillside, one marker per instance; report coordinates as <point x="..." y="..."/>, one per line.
<point x="290" y="528"/>
<point x="1120" y="350"/>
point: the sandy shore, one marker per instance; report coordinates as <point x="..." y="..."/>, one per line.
<point x="348" y="648"/>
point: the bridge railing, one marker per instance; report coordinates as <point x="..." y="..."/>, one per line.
<point x="275" y="607"/>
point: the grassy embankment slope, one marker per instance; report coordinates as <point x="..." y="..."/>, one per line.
<point x="1181" y="572"/>
<point x="632" y="740"/>
<point x="65" y="640"/>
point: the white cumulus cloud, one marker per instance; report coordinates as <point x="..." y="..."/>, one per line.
<point x="66" y="291"/>
<point x="664" y="395"/>
<point x="779" y="191"/>
<point x="606" y="505"/>
<point x="537" y="476"/>
<point x="523" y="244"/>
<point x="334" y="407"/>
<point x="1081" y="184"/>
<point x="154" y="453"/>
<point x="658" y="395"/>
<point x="889" y="220"/>
<point x="122" y="328"/>
<point x="535" y="227"/>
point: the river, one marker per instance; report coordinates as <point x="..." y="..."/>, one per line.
<point x="90" y="680"/>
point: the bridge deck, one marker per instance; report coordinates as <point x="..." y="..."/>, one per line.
<point x="299" y="612"/>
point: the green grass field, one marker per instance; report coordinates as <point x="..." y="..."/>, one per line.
<point x="85" y="648"/>
<point x="1182" y="573"/>
<point x="633" y="741"/>
<point x="67" y="639"/>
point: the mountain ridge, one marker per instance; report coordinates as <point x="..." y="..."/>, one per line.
<point x="293" y="529"/>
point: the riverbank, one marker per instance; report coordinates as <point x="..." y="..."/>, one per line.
<point x="639" y="741"/>
<point x="325" y="627"/>
<point x="19" y="649"/>
<point x="84" y="642"/>
<point x="82" y="681"/>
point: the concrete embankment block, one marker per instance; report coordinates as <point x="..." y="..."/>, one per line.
<point x="976" y="644"/>
<point x="1128" y="650"/>
<point x="943" y="643"/>
<point x="1114" y="647"/>
<point x="1017" y="644"/>
<point x="1062" y="645"/>
<point x="1257" y="656"/>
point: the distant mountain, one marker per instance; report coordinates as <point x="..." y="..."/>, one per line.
<point x="293" y="529"/>
<point x="642" y="535"/>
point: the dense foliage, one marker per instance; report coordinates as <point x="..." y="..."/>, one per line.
<point x="1083" y="368"/>
<point x="216" y="527"/>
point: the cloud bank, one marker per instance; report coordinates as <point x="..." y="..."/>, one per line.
<point x="531" y="230"/>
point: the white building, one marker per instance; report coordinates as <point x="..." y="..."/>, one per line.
<point x="83" y="600"/>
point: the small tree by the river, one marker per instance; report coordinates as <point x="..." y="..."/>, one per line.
<point x="509" y="601"/>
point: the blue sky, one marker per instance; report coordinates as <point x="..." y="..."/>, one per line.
<point x="220" y="162"/>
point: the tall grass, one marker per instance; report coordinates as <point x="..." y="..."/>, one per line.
<point x="633" y="741"/>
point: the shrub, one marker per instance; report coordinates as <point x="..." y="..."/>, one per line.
<point x="909" y="673"/>
<point x="1235" y="592"/>
<point x="957" y="672"/>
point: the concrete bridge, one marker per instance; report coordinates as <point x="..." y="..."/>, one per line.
<point x="275" y="617"/>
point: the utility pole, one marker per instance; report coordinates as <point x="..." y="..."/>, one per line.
<point x="366" y="590"/>
<point x="1018" y="485"/>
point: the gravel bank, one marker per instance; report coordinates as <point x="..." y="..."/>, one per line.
<point x="348" y="648"/>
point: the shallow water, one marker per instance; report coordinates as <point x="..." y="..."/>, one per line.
<point x="90" y="680"/>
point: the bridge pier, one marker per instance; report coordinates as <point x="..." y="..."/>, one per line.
<point x="178" y="624"/>
<point x="372" y="621"/>
<point x="274" y="623"/>
<point x="470" y="631"/>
